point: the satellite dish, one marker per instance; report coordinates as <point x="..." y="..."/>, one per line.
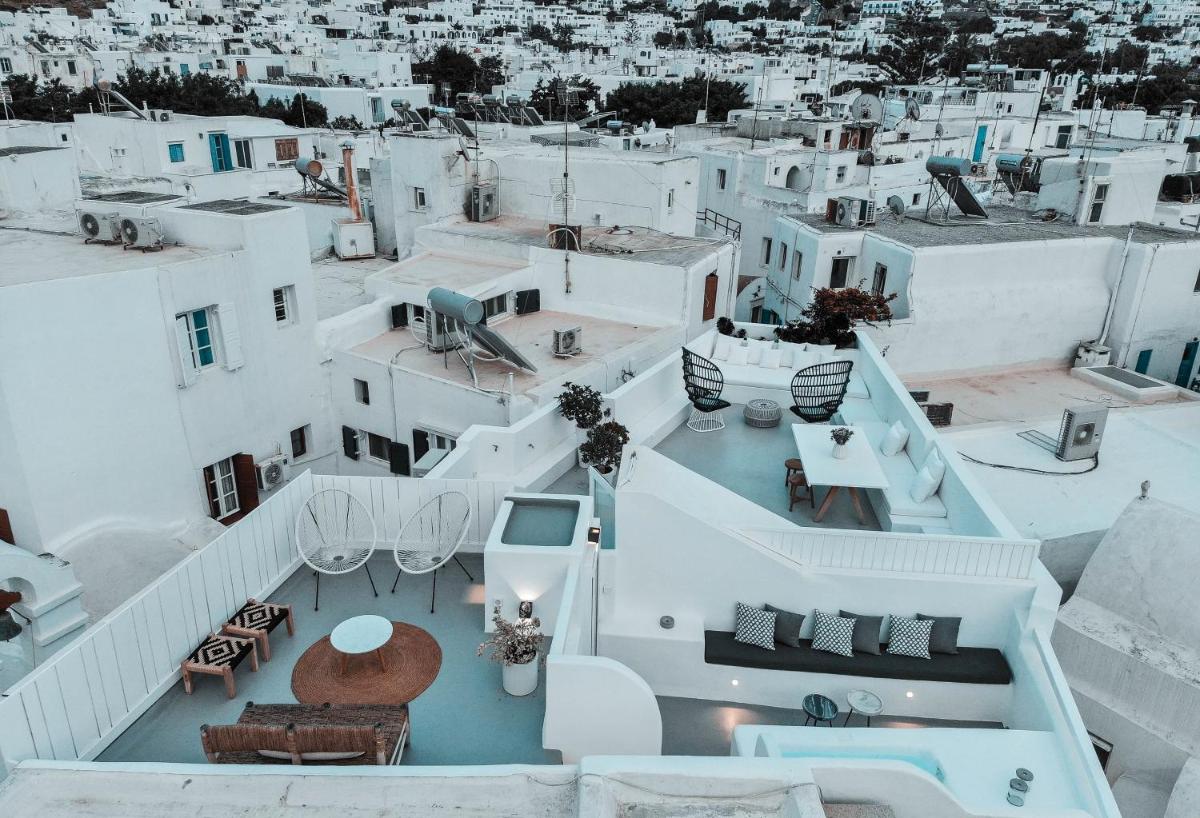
<point x="867" y="108"/>
<point x="912" y="110"/>
<point x="896" y="205"/>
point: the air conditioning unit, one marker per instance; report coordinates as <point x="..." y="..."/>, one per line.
<point x="854" y="212"/>
<point x="271" y="473"/>
<point x="568" y="342"/>
<point x="485" y="203"/>
<point x="141" y="233"/>
<point x="440" y="333"/>
<point x="1080" y="432"/>
<point x="103" y="228"/>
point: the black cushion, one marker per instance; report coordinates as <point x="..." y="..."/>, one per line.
<point x="969" y="666"/>
<point x="945" y="633"/>
<point x="787" y="626"/>
<point x="867" y="631"/>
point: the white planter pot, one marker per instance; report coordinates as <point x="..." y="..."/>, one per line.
<point x="841" y="451"/>
<point x="521" y="680"/>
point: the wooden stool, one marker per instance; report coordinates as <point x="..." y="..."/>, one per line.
<point x="792" y="464"/>
<point x="218" y="656"/>
<point x="796" y="482"/>
<point x="256" y="620"/>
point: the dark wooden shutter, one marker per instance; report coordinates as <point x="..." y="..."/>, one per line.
<point x="399" y="316"/>
<point x="6" y="532"/>
<point x="246" y="480"/>
<point x="710" y="297"/>
<point x="420" y="444"/>
<point x="350" y="442"/>
<point x="210" y="487"/>
<point x="528" y="301"/>
<point x="398" y="458"/>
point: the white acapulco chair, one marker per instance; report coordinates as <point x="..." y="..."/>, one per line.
<point x="431" y="537"/>
<point x="335" y="534"/>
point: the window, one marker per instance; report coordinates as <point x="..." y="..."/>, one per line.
<point x="797" y="258"/>
<point x="300" y="441"/>
<point x="362" y="392"/>
<point x="1196" y="286"/>
<point x="916" y="199"/>
<point x="1099" y="195"/>
<point x="419" y="198"/>
<point x="5" y="65"/>
<point x="222" y="488"/>
<point x="175" y="151"/>
<point x="241" y="149"/>
<point x="839" y="272"/>
<point x="287" y="150"/>
<point x="284" y="298"/>
<point x="766" y="252"/>
<point x="71" y="68"/>
<point x="841" y="173"/>
<point x="184" y="69"/>
<point x="45" y="68"/>
<point x="783" y="255"/>
<point x="880" y="281"/>
<point x="195" y="331"/>
<point x="720" y="178"/>
<point x="670" y="198"/>
<point x="709" y="305"/>
<point x="377" y="446"/>
<point x="498" y="305"/>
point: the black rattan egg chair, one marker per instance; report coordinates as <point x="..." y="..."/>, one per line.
<point x="818" y="390"/>
<point x="703" y="382"/>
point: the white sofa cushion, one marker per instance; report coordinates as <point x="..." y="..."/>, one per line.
<point x="738" y="356"/>
<point x="937" y="468"/>
<point x="756" y="350"/>
<point x="771" y="358"/>
<point x="895" y="440"/>
<point x="923" y="485"/>
<point x="722" y="347"/>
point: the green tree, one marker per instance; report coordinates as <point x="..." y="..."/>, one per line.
<point x="663" y="39"/>
<point x="302" y="112"/>
<point x="345" y="123"/>
<point x="544" y="96"/>
<point x="676" y="103"/>
<point x="458" y="70"/>
<point x="537" y="31"/>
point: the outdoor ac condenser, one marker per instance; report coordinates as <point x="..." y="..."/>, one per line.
<point x="1080" y="432"/>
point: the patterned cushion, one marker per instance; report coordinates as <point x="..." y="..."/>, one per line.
<point x="258" y="616"/>
<point x="219" y="651"/>
<point x="910" y="637"/>
<point x="833" y="634"/>
<point x="755" y="626"/>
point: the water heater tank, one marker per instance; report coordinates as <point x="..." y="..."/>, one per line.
<point x="948" y="166"/>
<point x="454" y="305"/>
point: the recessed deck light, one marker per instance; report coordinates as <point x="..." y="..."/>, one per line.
<point x="734" y="683"/>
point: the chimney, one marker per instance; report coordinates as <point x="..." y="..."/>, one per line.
<point x="351" y="182"/>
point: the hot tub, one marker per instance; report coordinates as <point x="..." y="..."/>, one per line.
<point x="540" y="521"/>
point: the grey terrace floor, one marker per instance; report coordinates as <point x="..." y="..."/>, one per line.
<point x="465" y="717"/>
<point x="749" y="462"/>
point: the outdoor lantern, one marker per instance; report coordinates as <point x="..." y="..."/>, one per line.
<point x="594" y="535"/>
<point x="525" y="609"/>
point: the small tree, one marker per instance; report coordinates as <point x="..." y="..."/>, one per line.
<point x="832" y="314"/>
<point x="346" y="123"/>
<point x="582" y="404"/>
<point x="513" y="643"/>
<point x="603" y="446"/>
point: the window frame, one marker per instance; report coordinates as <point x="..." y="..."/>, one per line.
<point x="372" y="439"/>
<point x="490" y="303"/>
<point x="722" y="178"/>
<point x="420" y="200"/>
<point x="243" y="154"/>
<point x="1096" y="204"/>
<point x="287" y="149"/>
<point x="362" y="392"/>
<point x="284" y="299"/>
<point x="765" y="255"/>
<point x="196" y="347"/>
<point x="833" y="265"/>
<point x="783" y="256"/>
<point x="797" y="263"/>
<point x="219" y="494"/>
<point x="302" y="432"/>
<point x="171" y="151"/>
<point x="879" y="281"/>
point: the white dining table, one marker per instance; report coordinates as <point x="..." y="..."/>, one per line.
<point x="860" y="468"/>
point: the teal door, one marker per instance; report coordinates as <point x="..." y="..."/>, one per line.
<point x="1187" y="362"/>
<point x="980" y="141"/>
<point x="218" y="148"/>
<point x="1143" y="361"/>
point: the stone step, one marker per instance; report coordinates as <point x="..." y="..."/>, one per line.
<point x="858" y="811"/>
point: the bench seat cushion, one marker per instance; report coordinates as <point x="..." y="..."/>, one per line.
<point x="969" y="666"/>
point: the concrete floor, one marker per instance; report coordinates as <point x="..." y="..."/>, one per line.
<point x="574" y="481"/>
<point x="749" y="462"/>
<point x="465" y="717"/>
<point x="695" y="727"/>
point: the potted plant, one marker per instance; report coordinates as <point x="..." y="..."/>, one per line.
<point x="515" y="645"/>
<point x="841" y="436"/>
<point x="602" y="449"/>
<point x="584" y="405"/>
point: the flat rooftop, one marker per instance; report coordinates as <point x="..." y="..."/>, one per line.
<point x="340" y="285"/>
<point x="1003" y="225"/>
<point x="439" y="269"/>
<point x="31" y="255"/>
<point x="633" y="243"/>
<point x="532" y="335"/>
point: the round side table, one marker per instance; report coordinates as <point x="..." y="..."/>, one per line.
<point x="762" y="413"/>
<point x="819" y="708"/>
<point x="863" y="702"/>
<point x="361" y="634"/>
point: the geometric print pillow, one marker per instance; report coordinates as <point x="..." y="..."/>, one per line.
<point x="910" y="637"/>
<point x="833" y="634"/>
<point x="755" y="627"/>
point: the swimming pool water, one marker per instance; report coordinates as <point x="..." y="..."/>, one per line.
<point x="540" y="522"/>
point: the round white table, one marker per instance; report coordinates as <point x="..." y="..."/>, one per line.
<point x="361" y="634"/>
<point x="863" y="702"/>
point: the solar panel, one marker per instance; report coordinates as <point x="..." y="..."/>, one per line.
<point x="494" y="343"/>
<point x="134" y="197"/>
<point x="463" y="127"/>
<point x="234" y="207"/>
<point x="534" y="116"/>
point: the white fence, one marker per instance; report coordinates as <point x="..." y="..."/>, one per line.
<point x="907" y="553"/>
<point x="80" y="699"/>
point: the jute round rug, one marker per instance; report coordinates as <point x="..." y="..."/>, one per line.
<point x="413" y="658"/>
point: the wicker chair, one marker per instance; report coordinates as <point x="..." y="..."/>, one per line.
<point x="703" y="382"/>
<point x="818" y="391"/>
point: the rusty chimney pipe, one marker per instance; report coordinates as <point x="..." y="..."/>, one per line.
<point x="351" y="183"/>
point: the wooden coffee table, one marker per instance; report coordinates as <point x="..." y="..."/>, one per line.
<point x="359" y="635"/>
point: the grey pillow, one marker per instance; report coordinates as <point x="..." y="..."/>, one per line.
<point x="945" y="633"/>
<point x="866" y="631"/>
<point x="787" y="626"/>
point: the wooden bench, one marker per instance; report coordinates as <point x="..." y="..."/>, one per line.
<point x="310" y="734"/>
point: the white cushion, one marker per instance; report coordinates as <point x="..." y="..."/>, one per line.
<point x="756" y="351"/>
<point x="827" y="351"/>
<point x="285" y="756"/>
<point x="722" y="347"/>
<point x="785" y="355"/>
<point x="771" y="358"/>
<point x="923" y="485"/>
<point x="803" y="359"/>
<point x="936" y="466"/>
<point x="738" y="355"/>
<point x="895" y="439"/>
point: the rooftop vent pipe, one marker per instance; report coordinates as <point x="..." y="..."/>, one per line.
<point x="351" y="184"/>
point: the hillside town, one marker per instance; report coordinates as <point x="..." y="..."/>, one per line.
<point x="780" y="408"/>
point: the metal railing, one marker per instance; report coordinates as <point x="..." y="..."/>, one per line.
<point x="717" y="221"/>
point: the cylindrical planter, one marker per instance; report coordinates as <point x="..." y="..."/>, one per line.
<point x="521" y="680"/>
<point x="840" y="451"/>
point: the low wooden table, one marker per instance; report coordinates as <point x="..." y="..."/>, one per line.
<point x="859" y="470"/>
